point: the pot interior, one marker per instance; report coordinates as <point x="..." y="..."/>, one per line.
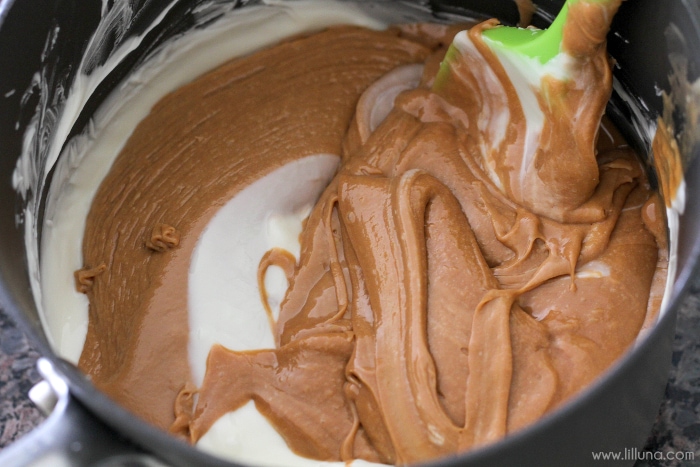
<point x="656" y="46"/>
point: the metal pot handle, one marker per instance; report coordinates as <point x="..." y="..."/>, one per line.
<point x="71" y="436"/>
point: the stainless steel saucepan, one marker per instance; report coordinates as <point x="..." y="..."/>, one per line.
<point x="650" y="41"/>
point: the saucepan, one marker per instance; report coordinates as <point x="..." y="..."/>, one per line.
<point x="656" y="47"/>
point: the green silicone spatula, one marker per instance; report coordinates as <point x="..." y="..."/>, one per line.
<point x="536" y="88"/>
<point x="543" y="44"/>
<point x="540" y="44"/>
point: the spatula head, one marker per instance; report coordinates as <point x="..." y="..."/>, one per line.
<point x="542" y="44"/>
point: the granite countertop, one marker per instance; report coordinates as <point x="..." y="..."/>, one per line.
<point x="677" y="428"/>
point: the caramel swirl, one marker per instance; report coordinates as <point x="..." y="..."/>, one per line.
<point x="163" y="238"/>
<point x="275" y="257"/>
<point x="449" y="291"/>
<point x="197" y="148"/>
<point x="184" y="407"/>
<point x="85" y="277"/>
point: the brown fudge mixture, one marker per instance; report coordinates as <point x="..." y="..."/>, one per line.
<point x="447" y="292"/>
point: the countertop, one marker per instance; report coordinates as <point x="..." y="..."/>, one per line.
<point x="676" y="432"/>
